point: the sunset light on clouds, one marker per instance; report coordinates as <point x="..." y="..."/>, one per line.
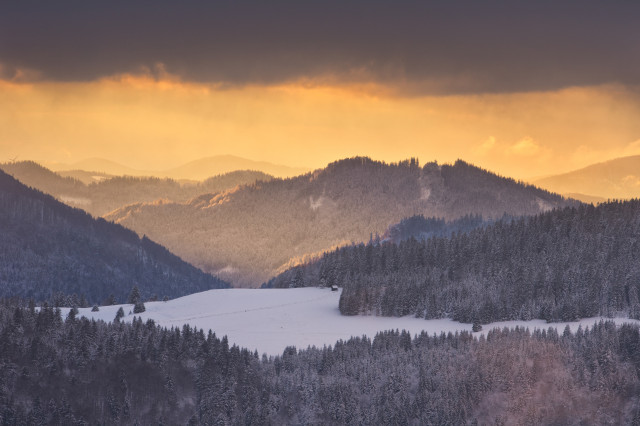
<point x="514" y="89"/>
<point x="158" y="123"/>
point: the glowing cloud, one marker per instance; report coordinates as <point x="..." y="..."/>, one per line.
<point x="154" y="120"/>
<point x="525" y="147"/>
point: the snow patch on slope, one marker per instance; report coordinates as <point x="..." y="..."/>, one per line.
<point x="315" y="205"/>
<point x="543" y="205"/>
<point x="78" y="201"/>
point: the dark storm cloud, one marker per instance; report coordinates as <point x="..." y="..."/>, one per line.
<point x="437" y="47"/>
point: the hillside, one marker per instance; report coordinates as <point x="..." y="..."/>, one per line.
<point x="566" y="264"/>
<point x="36" y="176"/>
<point x="85" y="176"/>
<point x="251" y="233"/>
<point x="614" y="179"/>
<point x="103" y="194"/>
<point x="47" y="248"/>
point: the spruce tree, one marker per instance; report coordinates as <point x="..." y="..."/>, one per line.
<point x="139" y="308"/>
<point x="119" y="315"/>
<point x="72" y="314"/>
<point x="134" y="296"/>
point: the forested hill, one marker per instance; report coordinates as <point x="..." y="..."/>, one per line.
<point x="47" y="247"/>
<point x="561" y="265"/>
<point x="111" y="192"/>
<point x="73" y="371"/>
<point x="256" y="231"/>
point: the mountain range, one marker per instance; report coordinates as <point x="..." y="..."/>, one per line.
<point x="194" y="170"/>
<point x="253" y="232"/>
<point x="106" y="193"/>
<point x="48" y="248"/>
<point x="614" y="179"/>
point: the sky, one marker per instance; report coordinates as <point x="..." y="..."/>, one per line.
<point x="522" y="88"/>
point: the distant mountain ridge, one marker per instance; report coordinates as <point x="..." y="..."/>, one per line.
<point x="199" y="169"/>
<point x="106" y="193"/>
<point x="98" y="165"/>
<point x="47" y="247"/>
<point x="614" y="179"/>
<point x="248" y="233"/>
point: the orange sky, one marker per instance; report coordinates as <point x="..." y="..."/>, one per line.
<point x="151" y="123"/>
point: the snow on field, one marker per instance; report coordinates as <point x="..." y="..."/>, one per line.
<point x="269" y="320"/>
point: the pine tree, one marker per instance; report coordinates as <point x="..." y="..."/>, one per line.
<point x="134" y="296"/>
<point x="119" y="315"/>
<point x="139" y="308"/>
<point x="73" y="312"/>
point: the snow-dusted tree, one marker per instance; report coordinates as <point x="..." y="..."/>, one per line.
<point x="119" y="314"/>
<point x="134" y="296"/>
<point x="139" y="308"/>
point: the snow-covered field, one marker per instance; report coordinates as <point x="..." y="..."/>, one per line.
<point x="271" y="319"/>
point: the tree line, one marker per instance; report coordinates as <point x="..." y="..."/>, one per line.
<point x="560" y="265"/>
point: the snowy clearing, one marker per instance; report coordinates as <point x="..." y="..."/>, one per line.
<point x="269" y="320"/>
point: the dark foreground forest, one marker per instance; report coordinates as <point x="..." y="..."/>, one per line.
<point x="562" y="265"/>
<point x="75" y="371"/>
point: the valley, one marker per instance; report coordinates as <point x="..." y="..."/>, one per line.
<point x="270" y="320"/>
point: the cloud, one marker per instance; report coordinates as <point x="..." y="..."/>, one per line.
<point x="415" y="47"/>
<point x="153" y="122"/>
<point x="18" y="75"/>
<point x="486" y="146"/>
<point x="526" y="147"/>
